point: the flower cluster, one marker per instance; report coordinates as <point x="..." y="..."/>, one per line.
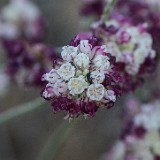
<point x="83" y="80"/>
<point x="27" y="62"/>
<point x="135" y="11"/>
<point x="132" y="47"/>
<point x="141" y="138"/>
<point x="21" y="19"/>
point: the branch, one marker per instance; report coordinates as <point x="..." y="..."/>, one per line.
<point x="21" y="110"/>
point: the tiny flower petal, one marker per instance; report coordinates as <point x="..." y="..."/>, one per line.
<point x="60" y="88"/>
<point x="101" y="62"/>
<point x="82" y="60"/>
<point x="77" y="85"/>
<point x="69" y="53"/>
<point x="96" y="92"/>
<point x="110" y="95"/>
<point x="97" y="76"/>
<point x="85" y="47"/>
<point x="66" y="71"/>
<point x="51" y="77"/>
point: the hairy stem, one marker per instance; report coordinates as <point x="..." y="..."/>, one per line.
<point x="21" y="110"/>
<point x="107" y="10"/>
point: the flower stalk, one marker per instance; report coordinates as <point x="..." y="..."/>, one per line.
<point x="107" y="10"/>
<point x="55" y="142"/>
<point x="21" y="110"/>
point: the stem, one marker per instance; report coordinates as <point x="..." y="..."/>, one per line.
<point x="107" y="10"/>
<point x="56" y="141"/>
<point x="20" y="110"/>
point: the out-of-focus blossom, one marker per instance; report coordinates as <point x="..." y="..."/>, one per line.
<point x="135" y="11"/>
<point x="85" y="73"/>
<point x="26" y="63"/>
<point x="132" y="47"/>
<point x="21" y="19"/>
<point x="141" y="138"/>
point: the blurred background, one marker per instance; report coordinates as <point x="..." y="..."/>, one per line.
<point x="24" y="137"/>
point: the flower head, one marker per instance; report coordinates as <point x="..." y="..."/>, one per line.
<point x="132" y="47"/>
<point x="79" y="81"/>
<point x="141" y="137"/>
<point x="23" y="19"/>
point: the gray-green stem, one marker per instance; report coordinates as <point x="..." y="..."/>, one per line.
<point x="21" y="110"/>
<point x="107" y="10"/>
<point x="55" y="142"/>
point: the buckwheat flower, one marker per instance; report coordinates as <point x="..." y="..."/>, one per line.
<point x="97" y="76"/>
<point x="96" y="92"/>
<point x="85" y="47"/>
<point x="66" y="71"/>
<point x="101" y="62"/>
<point x="51" y="77"/>
<point x="8" y="30"/>
<point x="132" y="47"/>
<point x="69" y="53"/>
<point x="60" y="87"/>
<point x="27" y="62"/>
<point x="25" y="17"/>
<point x="77" y="85"/>
<point x="148" y="117"/>
<point x="80" y="79"/>
<point x="110" y="95"/>
<point x="82" y="60"/>
<point x="153" y="140"/>
<point x="139" y="141"/>
<point x="49" y="91"/>
<point x="135" y="11"/>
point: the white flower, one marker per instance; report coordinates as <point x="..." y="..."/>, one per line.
<point x="51" y="77"/>
<point x="134" y="33"/>
<point x="97" y="76"/>
<point x="152" y="139"/>
<point x="110" y="95"/>
<point x="114" y="50"/>
<point x="96" y="92"/>
<point x="8" y="30"/>
<point x="146" y="41"/>
<point x="101" y="62"/>
<point x="77" y="85"/>
<point x="66" y="71"/>
<point x="127" y="57"/>
<point x="85" y="47"/>
<point x="69" y="53"/>
<point x="60" y="87"/>
<point x="20" y="10"/>
<point x="149" y="117"/>
<point x="118" y="151"/>
<point x="82" y="60"/>
<point x="49" y="91"/>
<point x="140" y="55"/>
<point x="152" y="53"/>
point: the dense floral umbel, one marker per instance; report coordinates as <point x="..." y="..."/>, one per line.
<point x="21" y="19"/>
<point x="141" y="138"/>
<point x="26" y="63"/>
<point x="132" y="47"/>
<point x="83" y="80"/>
<point x="135" y="11"/>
